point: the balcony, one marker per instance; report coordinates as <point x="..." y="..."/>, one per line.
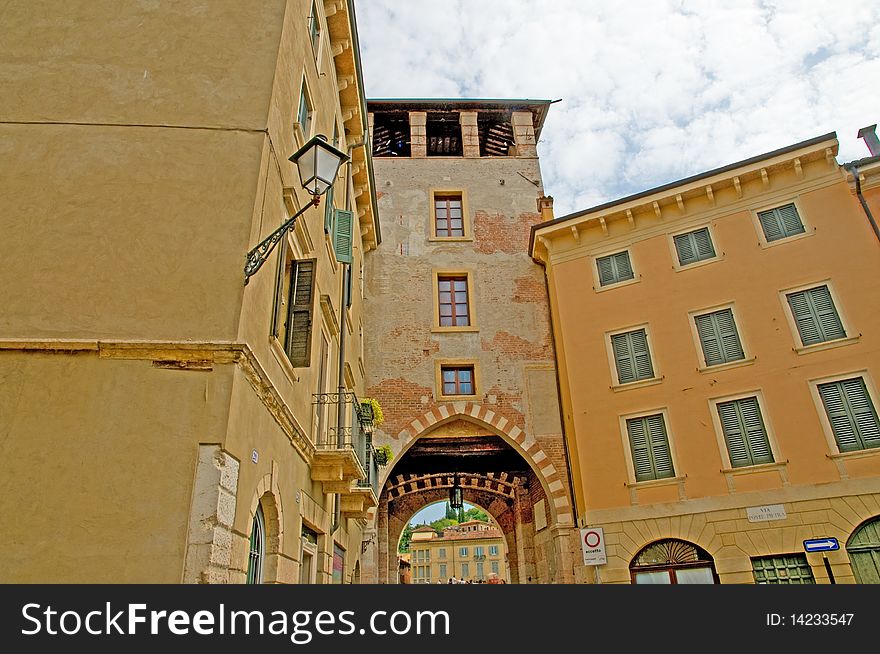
<point x="341" y="453"/>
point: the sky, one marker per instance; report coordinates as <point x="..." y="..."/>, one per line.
<point x="651" y="90"/>
<point x="433" y="512"/>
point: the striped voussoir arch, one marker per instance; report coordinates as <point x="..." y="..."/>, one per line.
<point x="525" y="444"/>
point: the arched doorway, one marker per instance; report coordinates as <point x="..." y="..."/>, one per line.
<point x="863" y="548"/>
<point x="499" y="468"/>
<point x="673" y="561"/>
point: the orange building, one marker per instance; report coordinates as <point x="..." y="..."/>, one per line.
<point x="719" y="356"/>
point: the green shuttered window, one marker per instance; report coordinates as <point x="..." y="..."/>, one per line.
<point x="342" y="235"/>
<point x="781" y="222"/>
<point x="631" y="356"/>
<point x="614" y="268"/>
<point x="718" y="337"/>
<point x="650" y="447"/>
<point x="298" y="337"/>
<point x="787" y="569"/>
<point x="816" y="316"/>
<point x="851" y="413"/>
<point x="694" y="246"/>
<point x="744" y="432"/>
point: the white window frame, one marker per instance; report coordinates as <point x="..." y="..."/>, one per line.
<point x="612" y="362"/>
<point x="799" y="347"/>
<point x="748" y="358"/>
<point x="594" y="265"/>
<point x="830" y="439"/>
<point x="677" y="477"/>
<point x="768" y="427"/>
<point x="676" y="265"/>
<point x="809" y="230"/>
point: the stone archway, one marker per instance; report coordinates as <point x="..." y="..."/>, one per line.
<point x="540" y="532"/>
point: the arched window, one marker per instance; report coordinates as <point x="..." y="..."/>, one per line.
<point x="673" y="562"/>
<point x="863" y="548"/>
<point x="257" y="548"/>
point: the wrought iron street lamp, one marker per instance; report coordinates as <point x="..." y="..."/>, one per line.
<point x="318" y="163"/>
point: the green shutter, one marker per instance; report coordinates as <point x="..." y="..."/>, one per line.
<point x="632" y="356"/>
<point x="816" y="317"/>
<point x="694" y="246"/>
<point x="781" y="222"/>
<point x="342" y="235"/>
<point x="744" y="432"/>
<point x="298" y="340"/>
<point x="851" y="413"/>
<point x="650" y="447"/>
<point x="719" y="338"/>
<point x="614" y="268"/>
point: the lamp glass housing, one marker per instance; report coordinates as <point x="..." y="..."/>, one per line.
<point x="455" y="497"/>
<point x="318" y="163"/>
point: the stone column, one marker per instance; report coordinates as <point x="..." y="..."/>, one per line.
<point x="563" y="538"/>
<point x="382" y="528"/>
<point x="523" y="526"/>
<point x="470" y="135"/>
<point x="418" y="134"/>
<point x="524" y="134"/>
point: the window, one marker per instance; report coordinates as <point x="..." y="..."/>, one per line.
<point x="448" y="216"/>
<point x="493" y="566"/>
<point x="673" y="562"/>
<point x="614" y="268"/>
<point x="815" y="315"/>
<point x="694" y="246"/>
<point x="465" y="570"/>
<point x="309" y="556"/>
<point x="863" y="548"/>
<point x="321" y="408"/>
<point x="257" y="551"/>
<point x="493" y="551"/>
<point x="481" y="570"/>
<point x="457" y="380"/>
<point x="441" y="553"/>
<point x="787" y="569"/>
<point x="650" y="447"/>
<point x="305" y="112"/>
<point x="462" y="551"/>
<point x="744" y="432"/>
<point x="631" y="356"/>
<point x="314" y="28"/>
<point x="453" y="301"/>
<point x="781" y="222"/>
<point x="443" y="571"/>
<point x="298" y="326"/>
<point x="479" y="551"/>
<point x="851" y="413"/>
<point x="338" y="564"/>
<point x="718" y="337"/>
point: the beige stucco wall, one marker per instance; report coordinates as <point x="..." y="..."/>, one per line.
<point x="838" y="246"/>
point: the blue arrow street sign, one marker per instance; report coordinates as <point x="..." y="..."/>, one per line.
<point x="821" y="545"/>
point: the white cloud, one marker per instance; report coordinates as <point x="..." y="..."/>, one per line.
<point x="653" y="90"/>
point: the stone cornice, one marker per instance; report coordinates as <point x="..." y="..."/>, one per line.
<point x="185" y="355"/>
<point x="715" y="193"/>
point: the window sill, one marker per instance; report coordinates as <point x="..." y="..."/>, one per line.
<point x="447" y="330"/>
<point x="827" y="345"/>
<point x="457" y="398"/>
<point x="761" y="467"/>
<point x="602" y="289"/>
<point x="788" y="239"/>
<point x="636" y="384"/>
<point x="739" y="363"/>
<point x="281" y="357"/>
<point x="651" y="483"/>
<point x="450" y="239"/>
<point x="855" y="454"/>
<point x="697" y="264"/>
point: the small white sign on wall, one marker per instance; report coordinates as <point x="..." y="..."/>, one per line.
<point x="540" y="515"/>
<point x="766" y="513"/>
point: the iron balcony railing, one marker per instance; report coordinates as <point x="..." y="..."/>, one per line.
<point x="371" y="467"/>
<point x="356" y="434"/>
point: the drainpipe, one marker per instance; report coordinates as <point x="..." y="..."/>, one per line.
<point x="854" y="169"/>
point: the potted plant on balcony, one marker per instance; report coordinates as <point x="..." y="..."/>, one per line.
<point x="383" y="454"/>
<point x="371" y="411"/>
